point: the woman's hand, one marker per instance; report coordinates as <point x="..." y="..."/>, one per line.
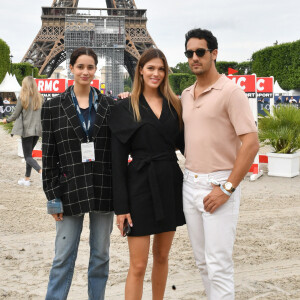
<point x="120" y="221"/>
<point x="124" y="95"/>
<point x="4" y="121"/>
<point x="58" y="217"/>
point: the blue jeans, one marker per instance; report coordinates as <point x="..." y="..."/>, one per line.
<point x="67" y="240"/>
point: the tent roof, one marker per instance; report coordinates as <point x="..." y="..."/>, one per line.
<point x="10" y="84"/>
<point x="295" y="92"/>
<point x="278" y="89"/>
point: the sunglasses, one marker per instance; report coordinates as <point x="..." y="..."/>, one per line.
<point x="199" y="52"/>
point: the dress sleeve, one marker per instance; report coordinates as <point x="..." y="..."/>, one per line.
<point x="179" y="142"/>
<point x="121" y="121"/>
<point x="120" y="152"/>
<point x="51" y="183"/>
<point x="123" y="126"/>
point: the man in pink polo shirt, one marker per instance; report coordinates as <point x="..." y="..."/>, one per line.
<point x="220" y="145"/>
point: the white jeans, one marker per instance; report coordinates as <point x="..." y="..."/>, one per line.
<point x="212" y="235"/>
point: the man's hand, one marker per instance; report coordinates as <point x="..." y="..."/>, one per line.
<point x="124" y="95"/>
<point x="58" y="217"/>
<point x="214" y="199"/>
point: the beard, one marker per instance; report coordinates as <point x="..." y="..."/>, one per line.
<point x="203" y="68"/>
<point x="198" y="72"/>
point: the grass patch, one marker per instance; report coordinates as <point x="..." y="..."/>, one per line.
<point x="8" y="127"/>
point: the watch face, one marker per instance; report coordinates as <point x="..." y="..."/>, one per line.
<point x="228" y="186"/>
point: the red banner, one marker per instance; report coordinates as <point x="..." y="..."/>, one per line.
<point x="264" y="87"/>
<point x="51" y="86"/>
<point x="95" y="83"/>
<point x="246" y="82"/>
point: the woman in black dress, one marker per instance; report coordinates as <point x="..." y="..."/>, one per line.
<point x="148" y="191"/>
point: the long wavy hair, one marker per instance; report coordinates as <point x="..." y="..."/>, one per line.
<point x="164" y="88"/>
<point x="29" y="90"/>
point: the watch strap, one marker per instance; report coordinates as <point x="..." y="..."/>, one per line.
<point x="232" y="189"/>
<point x="224" y="191"/>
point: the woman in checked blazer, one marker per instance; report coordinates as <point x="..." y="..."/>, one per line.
<point x="77" y="176"/>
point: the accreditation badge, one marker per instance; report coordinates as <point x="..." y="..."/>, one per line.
<point x="88" y="152"/>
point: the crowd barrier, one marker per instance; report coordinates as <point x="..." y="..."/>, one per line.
<point x="255" y="168"/>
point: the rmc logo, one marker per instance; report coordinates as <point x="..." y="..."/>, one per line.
<point x="51" y="86"/>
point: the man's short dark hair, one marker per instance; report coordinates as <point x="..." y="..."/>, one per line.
<point x="202" y="34"/>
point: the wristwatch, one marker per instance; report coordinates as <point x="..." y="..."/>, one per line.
<point x="229" y="187"/>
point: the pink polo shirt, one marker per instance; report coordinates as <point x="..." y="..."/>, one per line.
<point x="212" y="124"/>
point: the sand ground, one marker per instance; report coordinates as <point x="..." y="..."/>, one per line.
<point x="266" y="253"/>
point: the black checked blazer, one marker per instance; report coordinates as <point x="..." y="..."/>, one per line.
<point x="82" y="187"/>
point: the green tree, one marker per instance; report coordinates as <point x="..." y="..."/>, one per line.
<point x="186" y="82"/>
<point x="281" y="61"/>
<point x="222" y="66"/>
<point x="4" y="59"/>
<point x="22" y="70"/>
<point x="182" y="68"/>
<point x="180" y="81"/>
<point x="245" y="68"/>
<point x="127" y="84"/>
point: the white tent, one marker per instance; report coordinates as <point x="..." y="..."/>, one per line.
<point x="279" y="90"/>
<point x="295" y="92"/>
<point x="10" y="84"/>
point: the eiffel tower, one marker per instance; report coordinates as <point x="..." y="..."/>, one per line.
<point x="47" y="51"/>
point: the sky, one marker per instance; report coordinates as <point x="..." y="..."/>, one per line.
<point x="241" y="27"/>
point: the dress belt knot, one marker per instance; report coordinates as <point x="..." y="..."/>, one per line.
<point x="143" y="159"/>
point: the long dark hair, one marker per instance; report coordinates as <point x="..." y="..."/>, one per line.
<point x="83" y="51"/>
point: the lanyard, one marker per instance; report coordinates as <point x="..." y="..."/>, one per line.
<point x="85" y="127"/>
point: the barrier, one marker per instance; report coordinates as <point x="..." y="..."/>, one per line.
<point x="37" y="153"/>
<point x="254" y="169"/>
<point x="263" y="159"/>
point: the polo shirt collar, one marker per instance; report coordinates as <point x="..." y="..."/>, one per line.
<point x="218" y="85"/>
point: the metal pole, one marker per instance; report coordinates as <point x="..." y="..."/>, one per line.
<point x="11" y="63"/>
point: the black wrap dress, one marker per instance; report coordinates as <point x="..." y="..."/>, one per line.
<point x="150" y="187"/>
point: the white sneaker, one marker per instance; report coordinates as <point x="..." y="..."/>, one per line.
<point x="24" y="182"/>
